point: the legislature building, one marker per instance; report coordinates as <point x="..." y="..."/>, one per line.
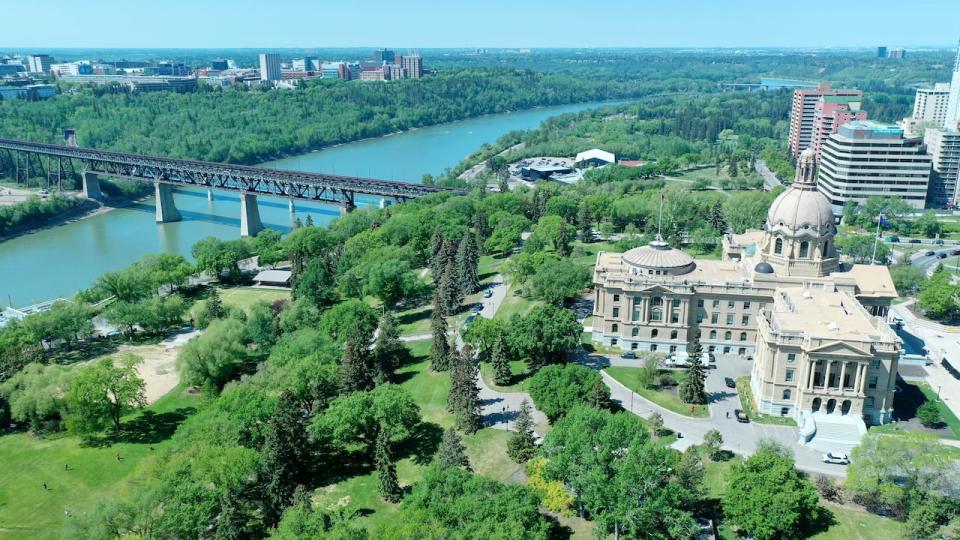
<point x="814" y="327"/>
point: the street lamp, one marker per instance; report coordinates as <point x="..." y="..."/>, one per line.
<point x="938" y="391"/>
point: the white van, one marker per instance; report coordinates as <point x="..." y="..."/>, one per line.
<point x="682" y="359"/>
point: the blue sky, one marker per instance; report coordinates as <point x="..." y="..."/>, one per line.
<point x="485" y="23"/>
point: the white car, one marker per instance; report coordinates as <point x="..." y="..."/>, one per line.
<point x="837" y="458"/>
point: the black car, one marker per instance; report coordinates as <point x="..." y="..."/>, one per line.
<point x="914" y="240"/>
<point x="930" y="253"/>
<point x="938" y="241"/>
<point x="955" y="252"/>
<point x="629" y="355"/>
<point x="730" y="382"/>
<point x="941" y="255"/>
<point x="741" y="416"/>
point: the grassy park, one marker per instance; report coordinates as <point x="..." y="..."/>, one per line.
<point x="665" y="397"/>
<point x="27" y="510"/>
<point x="245" y="297"/>
<point x="748" y="404"/>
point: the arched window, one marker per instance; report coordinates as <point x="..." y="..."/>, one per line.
<point x="713" y="334"/>
<point x="656" y="314"/>
<point x="743" y="336"/>
<point x="615" y="328"/>
<point x="786" y="394"/>
<point x="778" y="246"/>
<point x="656" y="301"/>
<point x="804" y="249"/>
<point x="826" y="249"/>
<point x="635" y="332"/>
<point x="654" y="332"/>
<point x="728" y="335"/>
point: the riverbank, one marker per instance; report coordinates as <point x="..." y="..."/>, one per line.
<point x="87" y="209"/>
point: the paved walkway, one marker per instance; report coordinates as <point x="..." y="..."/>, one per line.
<point x="738" y="438"/>
<point x="941" y="342"/>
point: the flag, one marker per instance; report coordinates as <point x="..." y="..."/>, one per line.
<point x="883" y="222"/>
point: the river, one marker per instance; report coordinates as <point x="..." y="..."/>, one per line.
<point x="60" y="261"/>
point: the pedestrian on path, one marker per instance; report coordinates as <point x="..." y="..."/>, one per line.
<point x="45" y="486"/>
<point x="66" y="466"/>
<point x="728" y="414"/>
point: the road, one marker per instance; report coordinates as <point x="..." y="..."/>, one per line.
<point x="770" y="180"/>
<point x="941" y="342"/>
<point x="927" y="262"/>
<point x="738" y="438"/>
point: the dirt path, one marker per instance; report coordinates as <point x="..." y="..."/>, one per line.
<point x="158" y="369"/>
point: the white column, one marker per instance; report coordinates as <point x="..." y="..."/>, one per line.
<point x="843" y="372"/>
<point x="826" y="374"/>
<point x="812" y="366"/>
<point x="863" y="379"/>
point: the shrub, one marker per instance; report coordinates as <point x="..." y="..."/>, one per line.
<point x="667" y="379"/>
<point x="929" y="414"/>
<point x="553" y="496"/>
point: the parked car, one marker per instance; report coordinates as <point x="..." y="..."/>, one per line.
<point x="44" y="194"/>
<point x="629" y="355"/>
<point x="942" y="255"/>
<point x="730" y="382"/>
<point x="914" y="240"/>
<point x="477" y="309"/>
<point x="955" y="251"/>
<point x="741" y="416"/>
<point x="837" y="458"/>
<point x="488" y="293"/>
<point x="938" y="241"/>
<point x="892" y="238"/>
<point x="930" y="253"/>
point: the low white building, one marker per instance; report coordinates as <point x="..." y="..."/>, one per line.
<point x="594" y="158"/>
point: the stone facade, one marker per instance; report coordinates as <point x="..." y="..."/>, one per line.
<point x="657" y="298"/>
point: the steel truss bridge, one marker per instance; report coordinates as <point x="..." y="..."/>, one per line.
<point x="25" y="156"/>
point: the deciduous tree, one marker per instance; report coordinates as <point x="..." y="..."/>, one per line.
<point x="100" y="394"/>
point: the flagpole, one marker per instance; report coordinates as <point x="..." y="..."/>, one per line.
<point x="876" y="239"/>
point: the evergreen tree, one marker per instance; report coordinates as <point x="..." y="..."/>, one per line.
<point x="732" y="168"/>
<point x="309" y="221"/>
<point x="503" y="184"/>
<point x="297" y="224"/>
<point x="451" y="293"/>
<point x="522" y="443"/>
<point x="389" y="487"/>
<point x="387" y="349"/>
<point x="599" y="395"/>
<point x="355" y="364"/>
<point x="231" y="523"/>
<point x="468" y="261"/>
<point x="716" y="218"/>
<point x="692" y="389"/>
<point x="440" y="347"/>
<point x="585" y="223"/>
<point x="498" y="360"/>
<point x="464" y="398"/>
<point x="451" y="451"/>
<point x="436" y="255"/>
<point x="285" y="458"/>
<point x="215" y="307"/>
<point x="480" y="227"/>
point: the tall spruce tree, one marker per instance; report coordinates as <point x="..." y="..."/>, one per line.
<point x="215" y="307"/>
<point x="716" y="219"/>
<point x="693" y="389"/>
<point x="451" y="451"/>
<point x="285" y="458"/>
<point x="231" y="523"/>
<point x="387" y="349"/>
<point x="585" y="223"/>
<point x="481" y="228"/>
<point x="468" y="261"/>
<point x="436" y="255"/>
<point x="355" y="364"/>
<point x="451" y="293"/>
<point x="503" y="185"/>
<point x="522" y="443"/>
<point x="498" y="359"/>
<point x="440" y="346"/>
<point x="388" y="485"/>
<point x="464" y="398"/>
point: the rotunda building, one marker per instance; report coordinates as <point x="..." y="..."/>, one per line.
<point x="800" y="227"/>
<point x="658" y="258"/>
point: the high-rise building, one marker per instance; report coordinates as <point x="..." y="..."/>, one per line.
<point x="952" y="120"/>
<point x="384" y="55"/>
<point x="39" y="63"/>
<point x="896" y="53"/>
<point x="269" y="67"/>
<point x="397" y="72"/>
<point x="866" y="159"/>
<point x="881" y="52"/>
<point x="306" y="63"/>
<point x="219" y="65"/>
<point x="334" y="70"/>
<point x="413" y="64"/>
<point x="929" y="110"/>
<point x="943" y="145"/>
<point x="830" y="113"/>
<point x="802" y="114"/>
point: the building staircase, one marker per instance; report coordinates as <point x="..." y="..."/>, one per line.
<point x="830" y="432"/>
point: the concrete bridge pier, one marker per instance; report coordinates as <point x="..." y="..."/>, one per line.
<point x="346" y="207"/>
<point x="250" y="223"/>
<point x="166" y="209"/>
<point x="91" y="185"/>
<point x="210" y="195"/>
<point x="293" y="209"/>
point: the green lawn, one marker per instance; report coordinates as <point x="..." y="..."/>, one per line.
<point x="28" y="511"/>
<point x="514" y="304"/>
<point x="748" y="405"/>
<point x="245" y="297"/>
<point x="586" y="339"/>
<point x="414" y="321"/>
<point x="686" y="178"/>
<point x="520" y="374"/>
<point x="948" y="417"/>
<point x="630" y="377"/>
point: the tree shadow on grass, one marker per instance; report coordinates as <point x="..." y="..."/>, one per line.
<point x="413" y="317"/>
<point x="824" y="520"/>
<point x="148" y="428"/>
<point x="423" y="443"/>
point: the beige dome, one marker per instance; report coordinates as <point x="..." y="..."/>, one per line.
<point x="799" y="210"/>
<point x="802" y="208"/>
<point x="658" y="255"/>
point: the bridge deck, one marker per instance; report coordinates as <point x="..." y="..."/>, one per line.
<point x="243" y="178"/>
